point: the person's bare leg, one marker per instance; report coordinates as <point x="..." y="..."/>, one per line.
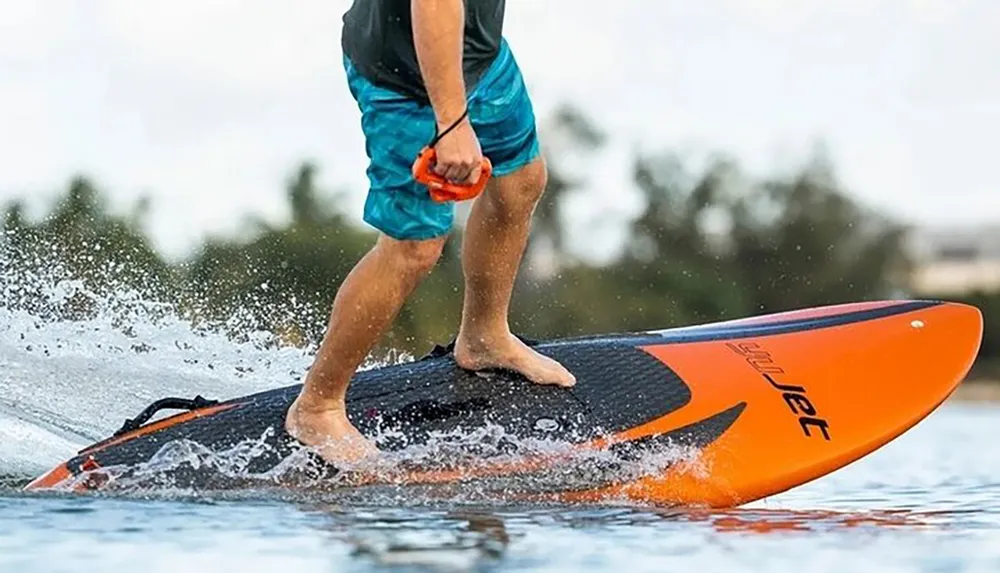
<point x="366" y="304"/>
<point x="495" y="240"/>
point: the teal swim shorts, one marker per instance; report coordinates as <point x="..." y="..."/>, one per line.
<point x="396" y="128"/>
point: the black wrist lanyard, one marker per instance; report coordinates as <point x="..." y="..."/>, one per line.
<point x="438" y="136"/>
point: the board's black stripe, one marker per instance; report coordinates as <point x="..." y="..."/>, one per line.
<point x="695" y="435"/>
<point x="709" y="332"/>
<point x="603" y="472"/>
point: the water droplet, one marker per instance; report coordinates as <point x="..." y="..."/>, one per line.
<point x="546" y="425"/>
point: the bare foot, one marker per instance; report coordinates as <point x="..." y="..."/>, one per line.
<point x="330" y="434"/>
<point x="510" y="353"/>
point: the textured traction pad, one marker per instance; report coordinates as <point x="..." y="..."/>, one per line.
<point x="619" y="386"/>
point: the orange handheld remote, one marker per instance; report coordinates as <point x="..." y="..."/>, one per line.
<point x="440" y="188"/>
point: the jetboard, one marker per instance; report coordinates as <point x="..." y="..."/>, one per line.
<point x="761" y="404"/>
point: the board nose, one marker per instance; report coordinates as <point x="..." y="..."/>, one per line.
<point x="964" y="325"/>
<point x="961" y="326"/>
<point x="934" y="352"/>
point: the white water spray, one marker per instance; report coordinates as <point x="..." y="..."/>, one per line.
<point x="69" y="378"/>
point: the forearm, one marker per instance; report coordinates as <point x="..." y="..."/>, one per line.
<point x="438" y="34"/>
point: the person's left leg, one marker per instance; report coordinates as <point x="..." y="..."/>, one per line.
<point x="497" y="229"/>
<point x="494" y="243"/>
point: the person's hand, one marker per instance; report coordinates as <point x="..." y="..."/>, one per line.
<point x="459" y="157"/>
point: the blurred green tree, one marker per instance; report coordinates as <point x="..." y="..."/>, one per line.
<point x="706" y="245"/>
<point x="801" y="241"/>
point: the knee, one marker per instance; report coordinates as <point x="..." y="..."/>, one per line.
<point x="518" y="195"/>
<point x="536" y="177"/>
<point x="413" y="257"/>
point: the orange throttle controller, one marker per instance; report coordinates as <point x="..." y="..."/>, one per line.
<point x="441" y="189"/>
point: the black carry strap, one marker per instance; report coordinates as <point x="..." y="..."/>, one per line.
<point x="164" y="404"/>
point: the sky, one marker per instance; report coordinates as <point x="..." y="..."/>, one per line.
<point x="207" y="106"/>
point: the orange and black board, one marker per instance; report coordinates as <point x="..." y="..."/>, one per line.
<point x="760" y="405"/>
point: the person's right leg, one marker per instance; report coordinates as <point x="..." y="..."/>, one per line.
<point x="413" y="232"/>
<point x="365" y="306"/>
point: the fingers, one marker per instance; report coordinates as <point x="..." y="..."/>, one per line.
<point x="475" y="173"/>
<point x="458" y="156"/>
<point x="464" y="171"/>
<point x="452" y="170"/>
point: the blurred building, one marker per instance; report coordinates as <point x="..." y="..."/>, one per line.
<point x="956" y="261"/>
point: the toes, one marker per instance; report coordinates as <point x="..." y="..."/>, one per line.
<point x="567" y="381"/>
<point x="554" y="375"/>
<point x="559" y="374"/>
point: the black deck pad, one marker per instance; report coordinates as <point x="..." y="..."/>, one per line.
<point x="619" y="386"/>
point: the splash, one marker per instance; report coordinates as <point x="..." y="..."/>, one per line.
<point x="484" y="465"/>
<point x="76" y="360"/>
